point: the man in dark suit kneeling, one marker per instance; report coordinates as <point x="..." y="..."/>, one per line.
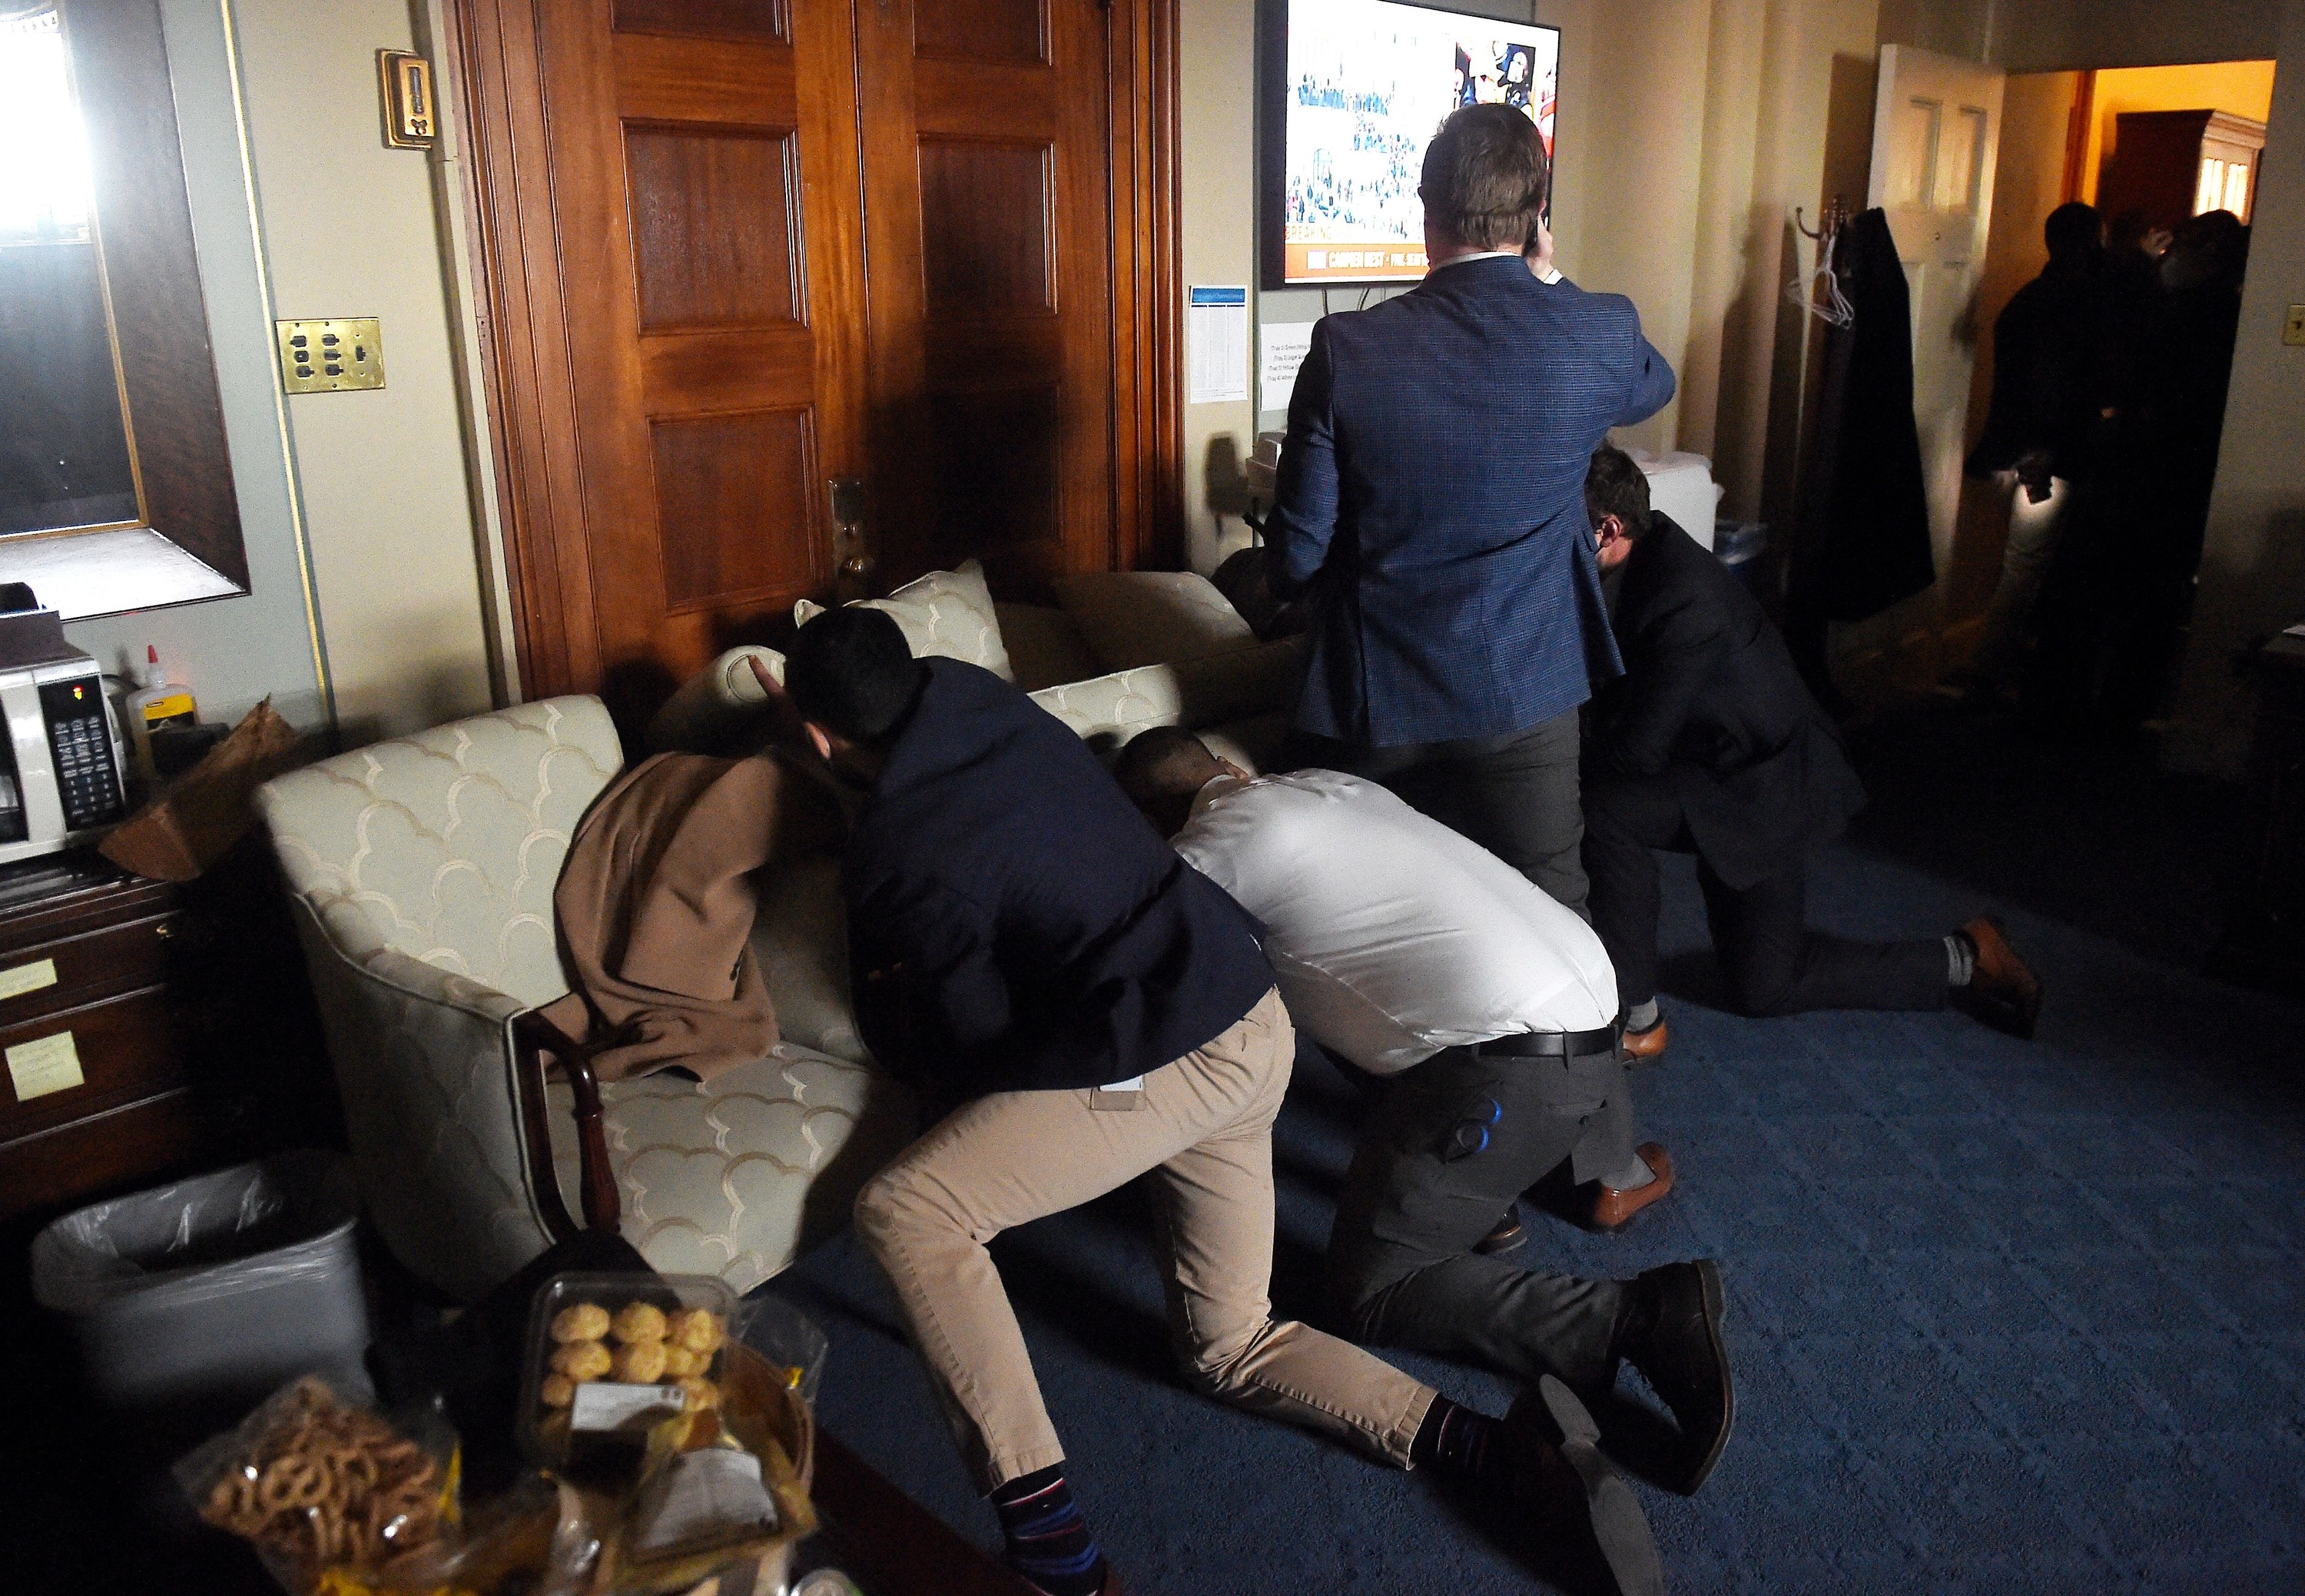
<point x="1709" y="744"/>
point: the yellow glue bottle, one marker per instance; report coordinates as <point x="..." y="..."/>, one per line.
<point x="158" y="703"/>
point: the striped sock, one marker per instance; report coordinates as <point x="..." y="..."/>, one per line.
<point x="1049" y="1540"/>
<point x="1457" y="1442"/>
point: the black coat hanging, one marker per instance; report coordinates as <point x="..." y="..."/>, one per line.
<point x="1863" y="539"/>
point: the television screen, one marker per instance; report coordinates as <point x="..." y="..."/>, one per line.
<point x="1363" y="85"/>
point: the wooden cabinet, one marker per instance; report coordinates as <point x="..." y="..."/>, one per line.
<point x="2170" y="165"/>
<point x="149" y="1028"/>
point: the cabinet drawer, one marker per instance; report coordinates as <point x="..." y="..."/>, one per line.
<point x="127" y="1047"/>
<point x="53" y="976"/>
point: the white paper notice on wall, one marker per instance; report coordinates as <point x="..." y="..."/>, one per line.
<point x="1216" y="335"/>
<point x="1285" y="345"/>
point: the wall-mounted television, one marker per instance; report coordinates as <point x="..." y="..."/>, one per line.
<point x="1351" y="92"/>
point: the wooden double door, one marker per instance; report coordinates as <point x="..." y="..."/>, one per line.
<point x="791" y="298"/>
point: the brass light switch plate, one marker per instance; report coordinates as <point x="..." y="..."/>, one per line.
<point x="320" y="357"/>
<point x="411" y="118"/>
<point x="2292" y="330"/>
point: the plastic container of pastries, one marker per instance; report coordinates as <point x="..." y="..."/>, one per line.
<point x="610" y="1355"/>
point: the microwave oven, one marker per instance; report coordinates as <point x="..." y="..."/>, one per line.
<point x="62" y="778"/>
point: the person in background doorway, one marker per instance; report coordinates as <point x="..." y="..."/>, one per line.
<point x="1485" y="1013"/>
<point x="2048" y="349"/>
<point x="1711" y="745"/>
<point x="1430" y="496"/>
<point x="1099" y="1011"/>
<point x="2201" y="277"/>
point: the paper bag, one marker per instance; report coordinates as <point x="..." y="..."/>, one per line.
<point x="195" y="823"/>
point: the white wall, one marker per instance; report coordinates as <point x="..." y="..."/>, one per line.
<point x="346" y="227"/>
<point x="2253" y="565"/>
<point x="350" y="230"/>
<point x="232" y="650"/>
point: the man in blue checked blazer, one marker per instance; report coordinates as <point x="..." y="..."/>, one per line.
<point x="1432" y="497"/>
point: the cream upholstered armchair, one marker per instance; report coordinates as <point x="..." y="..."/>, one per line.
<point x="422" y="871"/>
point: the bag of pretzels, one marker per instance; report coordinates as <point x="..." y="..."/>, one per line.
<point x="322" y="1486"/>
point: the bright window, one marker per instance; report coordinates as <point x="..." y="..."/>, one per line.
<point x="2211" y="194"/>
<point x="44" y="192"/>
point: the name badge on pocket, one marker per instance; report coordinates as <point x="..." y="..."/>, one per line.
<point x="1117" y="1097"/>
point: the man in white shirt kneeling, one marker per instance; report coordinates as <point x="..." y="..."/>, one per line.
<point x="1487" y="1010"/>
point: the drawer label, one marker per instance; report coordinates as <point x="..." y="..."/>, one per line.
<point x="44" y="1065"/>
<point x="27" y="977"/>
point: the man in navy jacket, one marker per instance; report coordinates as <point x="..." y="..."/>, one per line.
<point x="1432" y="494"/>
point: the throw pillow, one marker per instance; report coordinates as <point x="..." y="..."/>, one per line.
<point x="948" y="613"/>
<point x="1151" y="618"/>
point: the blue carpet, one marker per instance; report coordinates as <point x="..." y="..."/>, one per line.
<point x="2004" y="1317"/>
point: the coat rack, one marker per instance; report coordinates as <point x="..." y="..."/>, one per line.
<point x="1819" y="292"/>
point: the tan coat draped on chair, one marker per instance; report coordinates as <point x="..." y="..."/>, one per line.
<point x="657" y="899"/>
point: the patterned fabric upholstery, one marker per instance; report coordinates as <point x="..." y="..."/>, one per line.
<point x="949" y="613"/>
<point x="1107" y="710"/>
<point x="735" y="1176"/>
<point x="423" y="870"/>
<point x="1131" y="619"/>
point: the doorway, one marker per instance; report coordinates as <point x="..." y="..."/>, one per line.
<point x="799" y="298"/>
<point x="2077" y="592"/>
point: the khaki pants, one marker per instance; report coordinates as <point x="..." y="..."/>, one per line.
<point x="1204" y="1124"/>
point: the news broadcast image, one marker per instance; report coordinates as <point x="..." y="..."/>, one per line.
<point x="1368" y="83"/>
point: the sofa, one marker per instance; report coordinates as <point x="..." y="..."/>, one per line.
<point x="421" y="871"/>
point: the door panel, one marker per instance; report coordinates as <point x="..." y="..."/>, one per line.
<point x="732" y="492"/>
<point x="982" y="30"/>
<point x="1937" y="130"/>
<point x="706" y="19"/>
<point x="986" y="191"/>
<point x="718" y="366"/>
<point x="712" y="224"/>
<point x="673" y="200"/>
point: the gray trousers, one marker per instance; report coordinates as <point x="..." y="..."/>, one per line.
<point x="1401" y="1268"/>
<point x="1515" y="794"/>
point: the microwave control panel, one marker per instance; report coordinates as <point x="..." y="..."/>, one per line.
<point x="88" y="777"/>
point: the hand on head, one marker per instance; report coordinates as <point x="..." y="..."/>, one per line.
<point x="785" y="724"/>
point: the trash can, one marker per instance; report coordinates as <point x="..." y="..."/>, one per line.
<point x="194" y="1301"/>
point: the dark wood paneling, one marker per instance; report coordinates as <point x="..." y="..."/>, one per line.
<point x="998" y="463"/>
<point x="120" y="71"/>
<point x="95" y="963"/>
<point x="985" y="227"/>
<point x="713" y="227"/>
<point x="1148" y="511"/>
<point x="131" y="1047"/>
<point x="705" y="19"/>
<point x="981" y="29"/>
<point x="726" y="85"/>
<point x="735" y="501"/>
<point x="577" y="385"/>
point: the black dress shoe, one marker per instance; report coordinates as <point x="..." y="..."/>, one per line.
<point x="2002" y="991"/>
<point x="1562" y="1478"/>
<point x="1672" y="1333"/>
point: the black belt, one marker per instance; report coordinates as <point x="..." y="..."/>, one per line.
<point x="1550" y="1044"/>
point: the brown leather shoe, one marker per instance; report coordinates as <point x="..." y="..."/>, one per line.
<point x="1509" y="1233"/>
<point x="1613" y="1208"/>
<point x="2003" y="992"/>
<point x="1648" y="1044"/>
